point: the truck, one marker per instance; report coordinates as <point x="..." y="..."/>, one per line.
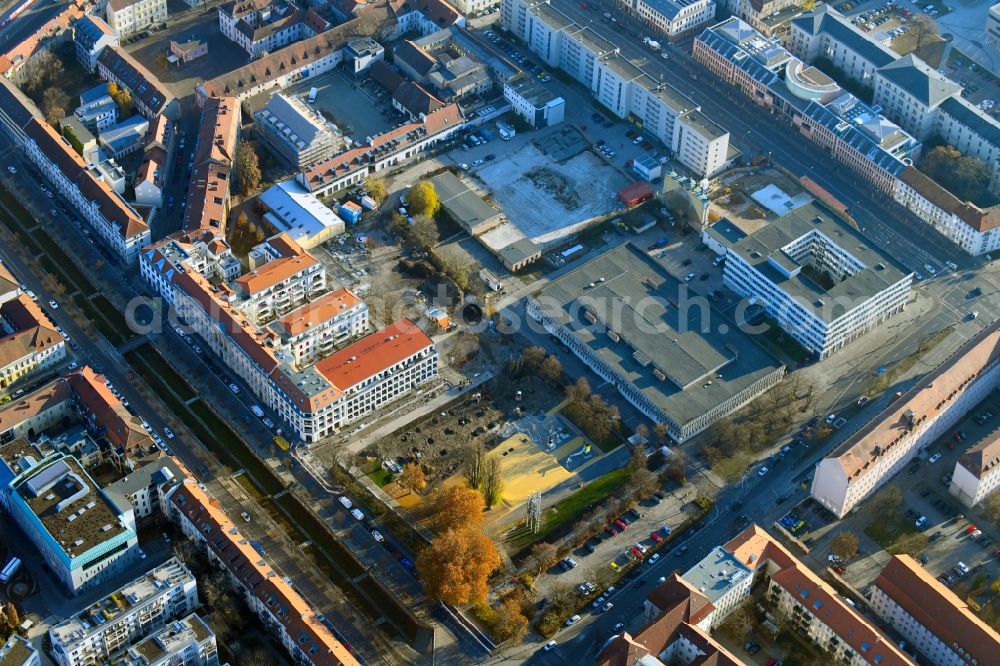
<point x="368" y="203"/>
<point x="490" y="280"/>
<point x="312" y="95"/>
<point x="651" y="43"/>
<point x="10" y="569"/>
<point x="506" y="131"/>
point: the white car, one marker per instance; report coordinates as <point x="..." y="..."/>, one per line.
<point x="476" y="163"/>
<point x="608" y="606"/>
<point x="637" y="140"/>
<point x="53" y="304"/>
<point x="357" y="514"/>
<point x="31" y="295"/>
<point x="11" y="169"/>
<point x="463" y="166"/>
<point x="245" y="516"/>
<point x="654" y="558"/>
<point x="234" y="388"/>
<point x="73" y="365"/>
<point x="346" y="501"/>
<point x="762" y="471"/>
<point x="378" y="536"/>
<point x="573" y="620"/>
<point x="551" y="645"/>
<point x="169" y="433"/>
<point x="934" y="458"/>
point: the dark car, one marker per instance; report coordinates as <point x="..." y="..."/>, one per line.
<point x="686" y="262"/>
<point x="490" y="157"/>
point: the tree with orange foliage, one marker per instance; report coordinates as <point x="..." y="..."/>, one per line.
<point x="457" y="507"/>
<point x="456" y="567"/>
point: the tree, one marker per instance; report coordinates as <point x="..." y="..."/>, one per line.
<point x="457" y="507"/>
<point x="13" y="619"/>
<point x="676" y="469"/>
<point x="413" y="477"/>
<point x="123" y="98"/>
<point x="550" y="370"/>
<point x="991" y="508"/>
<point x="964" y="176"/>
<point x="644" y="483"/>
<point x="886" y="502"/>
<point x="844" y="546"/>
<point x="580" y="391"/>
<point x="660" y="432"/>
<point x="492" y="486"/>
<point x="473" y="465"/>
<point x="511" y="623"/>
<point x="422" y="199"/>
<point x="530" y="361"/>
<point x="54" y="102"/>
<point x="73" y="139"/>
<point x="543" y="555"/>
<point x="457" y="565"/>
<point x="42" y="70"/>
<point x="424" y="231"/>
<point x="247" y="168"/>
<point x="924" y="29"/>
<point x="741" y="621"/>
<point x="376" y="188"/>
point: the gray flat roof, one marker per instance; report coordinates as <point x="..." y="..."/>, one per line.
<point x="553" y="18"/>
<point x="464" y="205"/>
<point x="519" y="250"/>
<point x="621" y="66"/>
<point x="716" y="574"/>
<point x="708" y="128"/>
<point x="532" y="90"/>
<point x="670" y="95"/>
<point x="591" y="40"/>
<point x="639" y="300"/>
<point x="763" y="248"/>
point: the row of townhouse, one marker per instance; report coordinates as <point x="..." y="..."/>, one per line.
<point x="15" y="62"/>
<point x="114" y="221"/>
<point x="619" y="85"/>
<point x="208" y="197"/>
<point x="887" y="442"/>
<point x="30" y="340"/>
<point x="128" y="17"/>
<point x="855" y="133"/>
<point x="261" y="28"/>
<point x="326" y="50"/>
<point x="266" y="327"/>
<point x="272" y="597"/>
<point x="150" y="96"/>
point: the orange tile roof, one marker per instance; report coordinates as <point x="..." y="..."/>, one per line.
<point x="984" y="456"/>
<point x="324" y="308"/>
<point x="22" y="52"/>
<point x="152" y="168"/>
<point x="938" y="609"/>
<point x="755" y="548"/>
<point x="373" y="354"/>
<point x="232" y="548"/>
<point x="48" y="397"/>
<point x="977" y="218"/>
<point x="274" y="272"/>
<point x="208" y="197"/>
<point x="934" y="393"/>
<point x="33" y="332"/>
<point x="122" y="429"/>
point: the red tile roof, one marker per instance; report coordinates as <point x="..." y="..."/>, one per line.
<point x="323" y="309"/>
<point x="373" y="354"/>
<point x="938" y="609"/>
<point x="122" y="429"/>
<point x="208" y="196"/>
<point x="34" y="43"/>
<point x="977" y="218"/>
<point x="33" y="330"/>
<point x="254" y="572"/>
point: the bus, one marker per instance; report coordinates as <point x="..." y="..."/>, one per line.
<point x="281" y="443"/>
<point x="8" y="571"/>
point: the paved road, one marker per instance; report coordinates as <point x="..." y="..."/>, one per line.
<point x="28" y="22"/>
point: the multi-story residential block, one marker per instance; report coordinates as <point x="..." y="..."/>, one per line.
<point x="318" y="328"/>
<point x="891" y="439"/>
<point x="270" y="596"/>
<point x="283" y="276"/>
<point x="296" y="132"/>
<point x="826" y="33"/>
<point x="471" y="7"/>
<point x="993" y="26"/>
<point x="208" y="201"/>
<point x="150" y="96"/>
<point x="770" y="17"/>
<point x="107" y="214"/>
<point x="18" y="651"/>
<point x="535" y="104"/>
<point x="83" y="537"/>
<point x="15" y="62"/>
<point x="263" y="27"/>
<point x="933" y="619"/>
<point x="445" y="64"/>
<point x="30" y="340"/>
<point x="128" y="17"/>
<point x="619" y="85"/>
<point x="143" y="487"/>
<point x="110" y="625"/>
<point x="672" y="18"/>
<point x="184" y="642"/>
<point x="724" y="580"/>
<point x="820" y="280"/>
<point x="125" y="137"/>
<point x="977" y="472"/>
<point x="682" y="375"/>
<point x="91" y="36"/>
<point x="97" y="110"/>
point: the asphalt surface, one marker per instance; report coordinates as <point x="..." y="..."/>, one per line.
<point x="28" y="22"/>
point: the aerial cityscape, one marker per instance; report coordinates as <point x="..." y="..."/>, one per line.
<point x="612" y="332"/>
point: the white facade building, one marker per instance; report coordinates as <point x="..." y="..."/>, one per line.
<point x="535" y="104"/>
<point x="672" y="18"/>
<point x="820" y="280"/>
<point x="127" y="17"/>
<point x="319" y="327"/>
<point x="184" y="642"/>
<point x="890" y="440"/>
<point x="18" y="651"/>
<point x="977" y="472"/>
<point x="108" y="626"/>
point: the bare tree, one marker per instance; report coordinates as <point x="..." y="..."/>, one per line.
<point x="492" y="485"/>
<point x="474" y="465"/>
<point x="924" y="29"/>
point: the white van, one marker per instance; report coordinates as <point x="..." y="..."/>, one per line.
<point x="258" y="412"/>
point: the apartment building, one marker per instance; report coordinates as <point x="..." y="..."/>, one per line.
<point x="820" y="280"/>
<point x="263" y="27"/>
<point x="91" y="36"/>
<point x="128" y="17"/>
<point x="316" y="400"/>
<point x="207" y="209"/>
<point x="811" y="607"/>
<point x="619" y="85"/>
<point x="672" y="18"/>
<point x="83" y="537"/>
<point x="724" y="580"/>
<point x="977" y="472"/>
<point x="107" y="627"/>
<point x="826" y="33"/>
<point x="319" y="327"/>
<point x="891" y="439"/>
<point x="143" y="487"/>
<point x="532" y="102"/>
<point x="682" y="375"/>
<point x="107" y="214"/>
<point x="104" y="414"/>
<point x="184" y="642"/>
<point x="442" y="63"/>
<point x="150" y="96"/>
<point x="933" y="619"/>
<point x="150" y="179"/>
<point x="53" y="33"/>
<point x="297" y="133"/>
<point x="283" y="276"/>
<point x="993" y="26"/>
<point x="97" y="110"/>
<point x="18" y="651"/>
<point x="383" y="151"/>
<point x="30" y="341"/>
<point x="269" y="595"/>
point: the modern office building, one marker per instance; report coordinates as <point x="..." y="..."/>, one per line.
<point x="634" y="325"/>
<point x="818" y="278"/>
<point x="533" y="102"/>
<point x="83" y="537"/>
<point x="128" y="17"/>
<point x="892" y="438"/>
<point x="110" y="625"/>
<point x="977" y="472"/>
<point x="124" y="138"/>
<point x="934" y="620"/>
<point x="297" y="133"/>
<point x="97" y="110"/>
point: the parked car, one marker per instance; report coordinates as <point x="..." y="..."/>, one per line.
<point x="357" y="514"/>
<point x="245" y="516"/>
<point x="346" y="501"/>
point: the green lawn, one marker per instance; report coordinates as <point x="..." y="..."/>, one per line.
<point x="380" y="476"/>
<point x="162" y="371"/>
<point x="897" y="535"/>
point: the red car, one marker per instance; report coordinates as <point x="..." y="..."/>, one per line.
<point x="839" y="569"/>
<point x="636" y="552"/>
<point x="970" y="529"/>
<point x="611" y="529"/>
<point x="622" y="525"/>
<point x="656" y="536"/>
